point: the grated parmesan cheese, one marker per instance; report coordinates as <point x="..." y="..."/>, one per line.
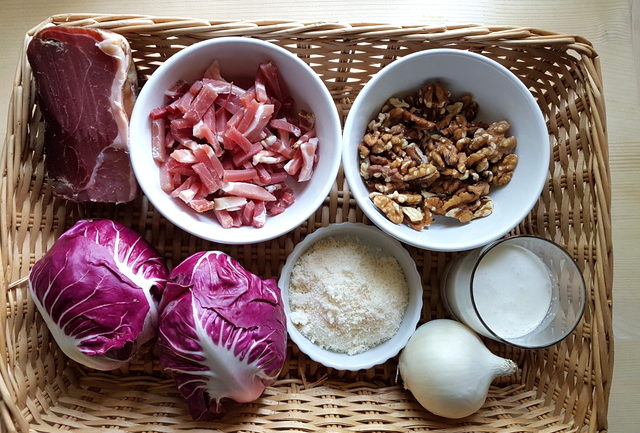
<point x="346" y="296"/>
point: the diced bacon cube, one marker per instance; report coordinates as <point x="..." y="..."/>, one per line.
<point x="236" y="118"/>
<point x="247" y="190"/>
<point x="224" y="87"/>
<point x="274" y="208"/>
<point x="283" y="148"/>
<point x="239" y="175"/>
<point x="182" y="170"/>
<point x="247" y="213"/>
<point x="232" y="105"/>
<point x="202" y="130"/>
<point x="308" y="150"/>
<point x="232" y="135"/>
<point x="283" y="125"/>
<point x="202" y="193"/>
<point x="181" y="135"/>
<point x="158" y="112"/>
<point x="165" y="179"/>
<point x="206" y="155"/>
<point x="287" y="198"/>
<point x="185" y="185"/>
<point x="169" y="140"/>
<point x="294" y="165"/>
<point x="184" y="156"/>
<point x="158" y="149"/>
<point x="221" y="120"/>
<point x="207" y="178"/>
<point x="239" y="158"/>
<point x="201" y="103"/>
<point x="229" y="202"/>
<point x="269" y="75"/>
<point x="195" y="87"/>
<point x="248" y="114"/>
<point x="263" y="174"/>
<point x="223" y="217"/>
<point x="261" y="90"/>
<point x="182" y="124"/>
<point x="201" y="205"/>
<point x="284" y="199"/>
<point x="278" y="177"/>
<point x="259" y="121"/>
<point x="182" y="103"/>
<point x="237" y="218"/>
<point x="259" y="214"/>
<point x="188" y="194"/>
<point x="248" y="97"/>
<point x="209" y="118"/>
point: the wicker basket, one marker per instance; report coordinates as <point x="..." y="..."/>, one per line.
<point x="564" y="388"/>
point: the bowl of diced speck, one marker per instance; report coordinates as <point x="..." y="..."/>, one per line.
<point x="352" y="296"/>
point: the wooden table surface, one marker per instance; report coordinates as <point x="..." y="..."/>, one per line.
<point x="611" y="25"/>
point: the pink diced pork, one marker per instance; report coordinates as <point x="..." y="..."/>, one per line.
<point x="229" y="203"/>
<point x="223" y="217"/>
<point x="259" y="214"/>
<point x="184" y="156"/>
<point x="308" y="150"/>
<point x="230" y="151"/>
<point x="283" y="125"/>
<point x="201" y="205"/>
<point x="158" y="148"/>
<point x="247" y="190"/>
<point x="201" y="103"/>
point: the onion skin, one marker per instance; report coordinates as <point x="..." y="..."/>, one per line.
<point x="448" y="369"/>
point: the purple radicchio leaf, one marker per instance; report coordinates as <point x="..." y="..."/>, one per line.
<point x="222" y="332"/>
<point x="97" y="290"/>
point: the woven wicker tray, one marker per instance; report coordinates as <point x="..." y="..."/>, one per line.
<point x="564" y="388"/>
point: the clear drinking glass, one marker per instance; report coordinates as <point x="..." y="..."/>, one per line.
<point x="523" y="290"/>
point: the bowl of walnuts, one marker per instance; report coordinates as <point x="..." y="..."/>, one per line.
<point x="445" y="150"/>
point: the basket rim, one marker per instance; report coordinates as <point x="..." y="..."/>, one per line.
<point x="498" y="35"/>
<point x="507" y="34"/>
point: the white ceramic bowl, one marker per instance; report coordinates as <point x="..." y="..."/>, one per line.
<point x="239" y="58"/>
<point x="501" y="96"/>
<point x="375" y="238"/>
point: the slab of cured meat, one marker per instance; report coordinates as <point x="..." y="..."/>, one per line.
<point x="86" y="85"/>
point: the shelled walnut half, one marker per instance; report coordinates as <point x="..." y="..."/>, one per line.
<point x="426" y="155"/>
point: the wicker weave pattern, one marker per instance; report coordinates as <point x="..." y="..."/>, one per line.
<point x="561" y="389"/>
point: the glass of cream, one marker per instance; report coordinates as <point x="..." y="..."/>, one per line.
<point x="524" y="290"/>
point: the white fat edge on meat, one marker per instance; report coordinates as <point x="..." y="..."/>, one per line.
<point x="67" y="343"/>
<point x="227" y="375"/>
<point x="117" y="46"/>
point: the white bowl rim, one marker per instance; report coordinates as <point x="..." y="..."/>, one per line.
<point x="259" y="236"/>
<point x="412" y="314"/>
<point x="378" y="219"/>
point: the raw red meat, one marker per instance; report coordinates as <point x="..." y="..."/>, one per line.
<point x="86" y="85"/>
<point x="222" y="149"/>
